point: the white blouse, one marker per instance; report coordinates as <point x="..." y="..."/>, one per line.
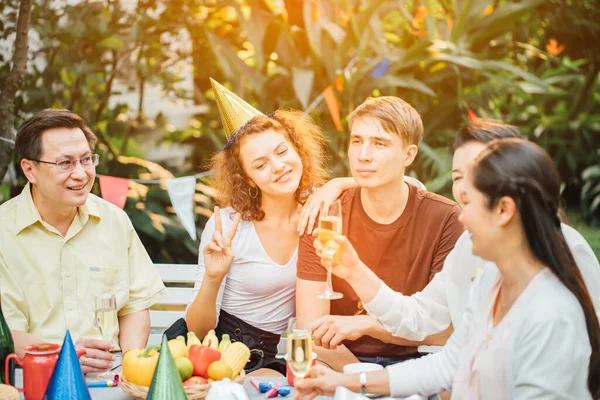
<point x="256" y="288"/>
<point x="443" y="300"/>
<point x="544" y="346"/>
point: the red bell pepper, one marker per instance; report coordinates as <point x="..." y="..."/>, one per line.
<point x="201" y="357"/>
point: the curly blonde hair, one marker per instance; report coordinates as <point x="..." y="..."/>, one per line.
<point x="232" y="182"/>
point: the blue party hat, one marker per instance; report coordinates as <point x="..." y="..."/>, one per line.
<point x="67" y="381"/>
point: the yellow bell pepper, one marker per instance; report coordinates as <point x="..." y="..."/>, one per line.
<point x="178" y="347"/>
<point x="139" y="365"/>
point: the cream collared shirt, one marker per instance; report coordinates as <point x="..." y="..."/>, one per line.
<point x="48" y="281"/>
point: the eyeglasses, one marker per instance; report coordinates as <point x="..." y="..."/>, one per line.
<point x="67" y="165"/>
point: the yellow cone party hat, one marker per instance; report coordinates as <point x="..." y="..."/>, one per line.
<point x="234" y="111"/>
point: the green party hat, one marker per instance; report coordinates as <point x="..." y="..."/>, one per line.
<point x="234" y="111"/>
<point x="166" y="382"/>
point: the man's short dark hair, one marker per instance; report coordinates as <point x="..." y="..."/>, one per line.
<point x="29" y="137"/>
<point x="484" y="131"/>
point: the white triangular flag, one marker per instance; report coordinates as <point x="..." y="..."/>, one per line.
<point x="181" y="192"/>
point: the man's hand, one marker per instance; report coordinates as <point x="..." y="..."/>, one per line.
<point x="97" y="357"/>
<point x="345" y="263"/>
<point x="329" y="331"/>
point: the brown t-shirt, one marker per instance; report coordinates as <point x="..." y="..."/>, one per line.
<point x="405" y="254"/>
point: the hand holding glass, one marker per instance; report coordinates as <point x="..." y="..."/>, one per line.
<point x="299" y="349"/>
<point x="107" y="323"/>
<point x="330" y="225"/>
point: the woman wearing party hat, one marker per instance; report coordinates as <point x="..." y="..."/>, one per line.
<point x="246" y="278"/>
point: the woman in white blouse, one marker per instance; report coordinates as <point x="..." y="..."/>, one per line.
<point x="529" y="329"/>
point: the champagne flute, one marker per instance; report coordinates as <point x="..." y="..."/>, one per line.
<point x="299" y="348"/>
<point x="107" y="323"/>
<point x="330" y="225"/>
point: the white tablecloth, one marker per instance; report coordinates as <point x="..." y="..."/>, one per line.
<point x="115" y="393"/>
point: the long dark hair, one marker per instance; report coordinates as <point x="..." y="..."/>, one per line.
<point x="523" y="171"/>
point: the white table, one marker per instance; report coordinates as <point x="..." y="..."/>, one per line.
<point x="115" y="393"/>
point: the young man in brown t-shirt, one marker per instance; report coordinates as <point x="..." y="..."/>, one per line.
<point x="401" y="232"/>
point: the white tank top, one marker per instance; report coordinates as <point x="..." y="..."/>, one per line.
<point x="256" y="289"/>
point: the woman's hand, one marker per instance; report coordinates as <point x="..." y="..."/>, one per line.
<point x="319" y="381"/>
<point x="218" y="255"/>
<point x="320" y="199"/>
<point x="345" y="262"/>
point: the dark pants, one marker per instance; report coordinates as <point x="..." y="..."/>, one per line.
<point x="262" y="344"/>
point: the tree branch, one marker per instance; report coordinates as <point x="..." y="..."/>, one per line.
<point x="13" y="82"/>
<point x="584" y="95"/>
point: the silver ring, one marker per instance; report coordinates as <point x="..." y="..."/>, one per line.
<point x="84" y="362"/>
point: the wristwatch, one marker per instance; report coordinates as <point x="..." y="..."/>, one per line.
<point x="363" y="383"/>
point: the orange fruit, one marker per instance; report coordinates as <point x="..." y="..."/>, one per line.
<point x="218" y="370"/>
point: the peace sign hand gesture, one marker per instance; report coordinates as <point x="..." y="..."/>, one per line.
<point x="218" y="255"/>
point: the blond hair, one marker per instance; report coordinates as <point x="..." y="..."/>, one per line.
<point x="395" y="116"/>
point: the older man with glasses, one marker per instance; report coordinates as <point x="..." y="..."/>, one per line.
<point x="62" y="247"/>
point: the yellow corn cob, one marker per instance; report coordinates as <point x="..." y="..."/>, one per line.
<point x="236" y="356"/>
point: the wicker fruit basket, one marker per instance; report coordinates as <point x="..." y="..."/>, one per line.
<point x="8" y="392"/>
<point x="197" y="392"/>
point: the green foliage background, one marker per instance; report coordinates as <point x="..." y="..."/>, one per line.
<point x="494" y="57"/>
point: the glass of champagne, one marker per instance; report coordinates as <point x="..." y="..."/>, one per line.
<point x="107" y="323"/>
<point x="299" y="348"/>
<point x="330" y="225"/>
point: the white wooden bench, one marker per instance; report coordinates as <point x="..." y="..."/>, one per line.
<point x="179" y="280"/>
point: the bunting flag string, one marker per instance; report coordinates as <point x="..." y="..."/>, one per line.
<point x="158" y="181"/>
<point x="114" y="190"/>
<point x="181" y="193"/>
<point x="9" y="141"/>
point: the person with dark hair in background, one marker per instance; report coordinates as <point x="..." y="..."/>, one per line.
<point x="530" y="329"/>
<point x="61" y="246"/>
